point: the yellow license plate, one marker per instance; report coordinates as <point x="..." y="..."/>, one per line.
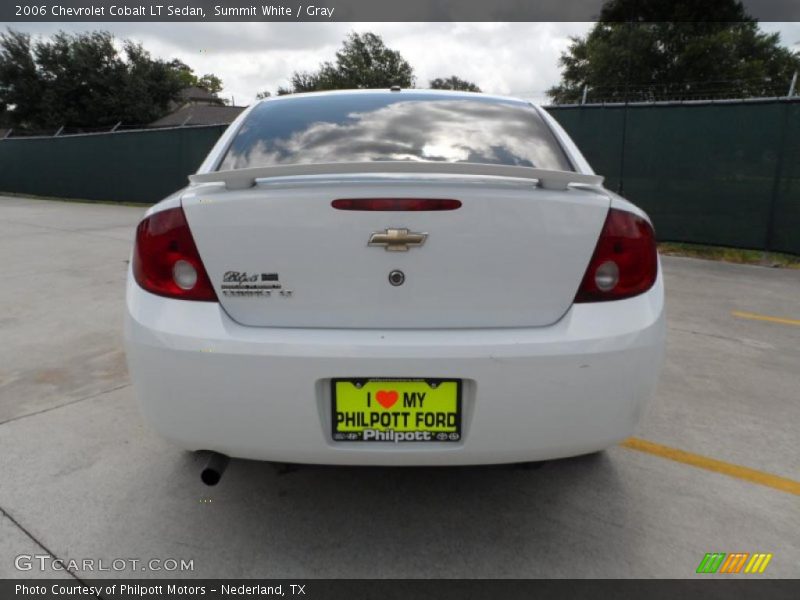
<point x="396" y="410"/>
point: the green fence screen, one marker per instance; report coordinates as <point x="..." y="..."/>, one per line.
<point x="715" y="173"/>
<point x="130" y="166"/>
<point x="723" y="173"/>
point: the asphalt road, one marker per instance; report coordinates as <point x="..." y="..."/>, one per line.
<point x="81" y="476"/>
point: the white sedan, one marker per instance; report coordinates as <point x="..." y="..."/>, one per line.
<point x="394" y="278"/>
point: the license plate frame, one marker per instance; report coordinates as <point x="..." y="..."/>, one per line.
<point x="442" y="433"/>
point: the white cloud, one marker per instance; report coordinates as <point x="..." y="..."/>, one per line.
<point x="517" y="59"/>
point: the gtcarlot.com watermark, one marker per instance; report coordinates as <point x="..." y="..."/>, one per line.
<point x="46" y="562"/>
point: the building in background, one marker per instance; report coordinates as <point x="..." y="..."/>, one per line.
<point x="198" y="106"/>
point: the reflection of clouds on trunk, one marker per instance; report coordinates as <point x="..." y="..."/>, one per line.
<point x="375" y="127"/>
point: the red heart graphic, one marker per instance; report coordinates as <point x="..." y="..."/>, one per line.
<point x="386" y="399"/>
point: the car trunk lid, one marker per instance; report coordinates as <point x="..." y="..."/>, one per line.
<point x="280" y="255"/>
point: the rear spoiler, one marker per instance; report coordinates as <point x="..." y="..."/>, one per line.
<point x="238" y="179"/>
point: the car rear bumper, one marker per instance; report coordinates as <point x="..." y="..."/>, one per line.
<point x="207" y="383"/>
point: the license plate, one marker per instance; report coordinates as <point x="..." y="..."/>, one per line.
<point x="396" y="410"/>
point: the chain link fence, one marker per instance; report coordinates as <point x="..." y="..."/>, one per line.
<point x="709" y="89"/>
<point x="129" y="166"/>
<point x="722" y="172"/>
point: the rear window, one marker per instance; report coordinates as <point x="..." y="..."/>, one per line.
<point x="396" y="126"/>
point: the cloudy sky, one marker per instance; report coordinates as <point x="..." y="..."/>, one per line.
<point x="517" y="59"/>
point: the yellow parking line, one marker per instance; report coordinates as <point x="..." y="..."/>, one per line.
<point x="757" y="317"/>
<point x="717" y="466"/>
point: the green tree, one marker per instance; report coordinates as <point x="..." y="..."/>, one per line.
<point x="453" y="83"/>
<point x="209" y="81"/>
<point x="650" y="49"/>
<point x="147" y="90"/>
<point x="83" y="81"/>
<point x="363" y="62"/>
<point x="19" y="80"/>
<point x="184" y="72"/>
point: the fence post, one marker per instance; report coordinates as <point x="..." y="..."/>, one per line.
<point x="114" y="128"/>
<point x="58" y="133"/>
<point x="586" y="91"/>
<point x="776" y="182"/>
<point x="792" y="85"/>
<point x="629" y="51"/>
<point x="621" y="184"/>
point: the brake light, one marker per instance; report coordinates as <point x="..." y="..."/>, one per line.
<point x="625" y="261"/>
<point x="166" y="261"/>
<point x="396" y="204"/>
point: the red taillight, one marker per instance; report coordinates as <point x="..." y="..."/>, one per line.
<point x="396" y="204"/>
<point x="625" y="262"/>
<point x="166" y="261"/>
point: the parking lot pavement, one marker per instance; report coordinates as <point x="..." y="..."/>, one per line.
<point x="83" y="477"/>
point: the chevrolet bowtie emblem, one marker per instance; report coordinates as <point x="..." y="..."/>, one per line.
<point x="397" y="240"/>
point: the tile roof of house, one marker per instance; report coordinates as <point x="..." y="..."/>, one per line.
<point x="194" y="93"/>
<point x="199" y="114"/>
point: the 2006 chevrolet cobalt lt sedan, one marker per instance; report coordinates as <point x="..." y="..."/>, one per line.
<point x="394" y="278"/>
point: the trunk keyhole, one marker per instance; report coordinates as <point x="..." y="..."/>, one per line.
<point x="397" y="277"/>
